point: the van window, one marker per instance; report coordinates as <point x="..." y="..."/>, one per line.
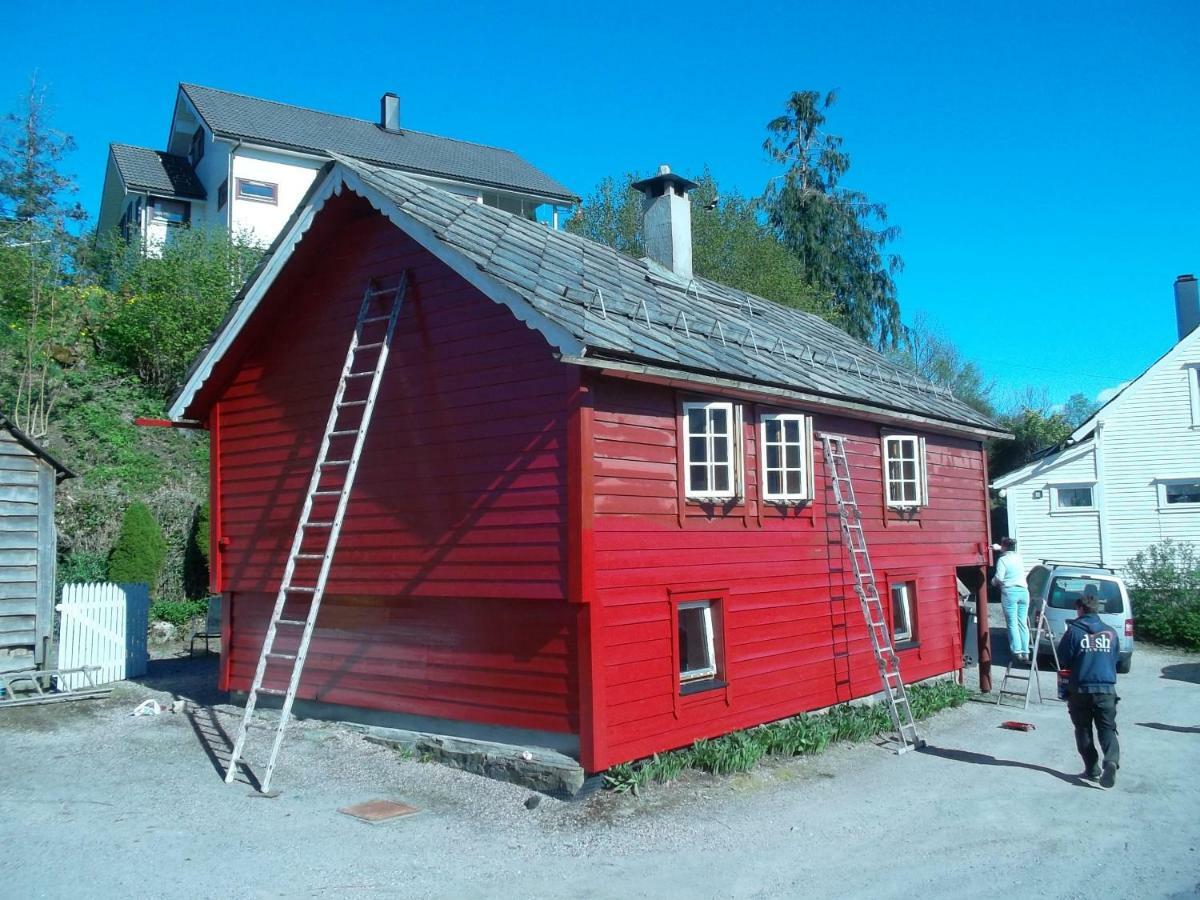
<point x="1065" y="591"/>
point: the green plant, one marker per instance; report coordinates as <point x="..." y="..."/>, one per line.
<point x="809" y="733"/>
<point x="140" y="551"/>
<point x="1164" y="583"/>
<point x="177" y="612"/>
<point x="195" y="554"/>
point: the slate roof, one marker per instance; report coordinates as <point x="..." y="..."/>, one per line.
<point x="157" y="172"/>
<point x="297" y="128"/>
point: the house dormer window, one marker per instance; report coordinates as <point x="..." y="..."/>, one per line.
<point x="904" y="471"/>
<point x="196" y="151"/>
<point x="710" y="450"/>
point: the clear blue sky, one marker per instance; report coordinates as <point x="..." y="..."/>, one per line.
<point x="1041" y="159"/>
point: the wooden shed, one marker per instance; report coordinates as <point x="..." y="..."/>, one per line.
<point x="591" y="512"/>
<point x="28" y="547"/>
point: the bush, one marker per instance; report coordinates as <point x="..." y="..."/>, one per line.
<point x="140" y="551"/>
<point x="195" y="555"/>
<point x="177" y="612"/>
<point x="1164" y="583"/>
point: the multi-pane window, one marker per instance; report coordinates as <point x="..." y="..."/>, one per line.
<point x="904" y="595"/>
<point x="1067" y="497"/>
<point x="697" y="645"/>
<point x="710" y="449"/>
<point x="785" y="448"/>
<point x="1180" y="491"/>
<point x="261" y="191"/>
<point x="173" y="212"/>
<point x="903" y="470"/>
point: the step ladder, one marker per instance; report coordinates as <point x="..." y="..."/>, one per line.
<point x="373" y="330"/>
<point x="1017" y="673"/>
<point x="868" y="594"/>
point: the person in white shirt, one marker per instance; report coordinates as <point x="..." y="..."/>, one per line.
<point x="1014" y="597"/>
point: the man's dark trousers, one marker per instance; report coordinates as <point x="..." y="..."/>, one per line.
<point x="1100" y="710"/>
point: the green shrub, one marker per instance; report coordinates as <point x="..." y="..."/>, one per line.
<point x="809" y="733"/>
<point x="177" y="612"/>
<point x="140" y="551"/>
<point x="1164" y="584"/>
<point x="83" y="566"/>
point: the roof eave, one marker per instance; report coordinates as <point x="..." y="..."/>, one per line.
<point x="61" y="472"/>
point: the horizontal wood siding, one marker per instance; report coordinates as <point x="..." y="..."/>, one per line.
<point x="794" y="630"/>
<point x="1041" y="531"/>
<point x="456" y="528"/>
<point x="21" y="474"/>
<point x="499" y="662"/>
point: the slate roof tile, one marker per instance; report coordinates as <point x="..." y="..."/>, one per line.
<point x="160" y="173"/>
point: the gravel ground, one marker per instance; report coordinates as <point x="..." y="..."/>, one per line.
<point x="97" y="803"/>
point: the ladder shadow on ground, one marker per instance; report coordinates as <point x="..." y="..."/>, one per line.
<point x="217" y="744"/>
<point x="1180" y="729"/>
<point x="984" y="759"/>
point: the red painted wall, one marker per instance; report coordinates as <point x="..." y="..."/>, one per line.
<point x="446" y="595"/>
<point x="793" y="633"/>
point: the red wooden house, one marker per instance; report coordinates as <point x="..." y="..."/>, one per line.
<point x="589" y="514"/>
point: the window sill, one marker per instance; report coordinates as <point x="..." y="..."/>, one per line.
<point x="715" y="501"/>
<point x="1077" y="511"/>
<point x="700" y="685"/>
<point x="787" y="501"/>
<point x="907" y="644"/>
<point x="1180" y="508"/>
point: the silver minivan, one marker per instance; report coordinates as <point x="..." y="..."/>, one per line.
<point x="1060" y="585"/>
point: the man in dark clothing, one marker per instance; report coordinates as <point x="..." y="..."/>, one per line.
<point x="1090" y="649"/>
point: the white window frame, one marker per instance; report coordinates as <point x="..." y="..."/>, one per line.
<point x="1193" y="373"/>
<point x="1161" y="486"/>
<point x="918" y="444"/>
<point x="898" y="636"/>
<point x="240" y="182"/>
<point x="1057" y="509"/>
<point x="806" y="462"/>
<point x="734" y="457"/>
<point x="710" y="643"/>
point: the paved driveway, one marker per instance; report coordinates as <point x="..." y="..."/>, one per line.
<point x="95" y="803"/>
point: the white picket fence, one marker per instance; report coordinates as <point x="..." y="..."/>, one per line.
<point x="103" y="625"/>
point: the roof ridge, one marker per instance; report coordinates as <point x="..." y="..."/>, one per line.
<point x="184" y="85"/>
<point x="147" y="149"/>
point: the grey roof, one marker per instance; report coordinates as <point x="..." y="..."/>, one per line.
<point x="293" y="127"/>
<point x="61" y="471"/>
<point x="143" y="169"/>
<point x="650" y="316"/>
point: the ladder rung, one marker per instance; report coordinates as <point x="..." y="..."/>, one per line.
<point x="367" y="321"/>
<point x="300" y="590"/>
<point x="310" y="556"/>
<point x="301" y="622"/>
<point x="383" y="292"/>
<point x="326" y="493"/>
<point x="370" y="346"/>
<point x="274" y="655"/>
<point x="352" y="403"/>
<point x="343" y="432"/>
<point x="318" y="524"/>
<point x="336" y="462"/>
<point x="275" y="691"/>
<point x="370" y="374"/>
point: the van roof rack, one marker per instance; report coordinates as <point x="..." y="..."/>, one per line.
<point x="1076" y="562"/>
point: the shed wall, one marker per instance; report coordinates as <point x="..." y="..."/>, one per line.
<point x="27" y="547"/>
<point x="445" y="598"/>
<point x="793" y="630"/>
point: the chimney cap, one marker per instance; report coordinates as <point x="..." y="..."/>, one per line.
<point x="657" y="185"/>
<point x="1188" y="277"/>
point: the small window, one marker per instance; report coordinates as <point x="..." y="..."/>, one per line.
<point x="173" y="212"/>
<point x="223" y="194"/>
<point x="196" y="151"/>
<point x="1179" y="492"/>
<point x="904" y="596"/>
<point x="1071" y="497"/>
<point x="785" y="454"/>
<point x="710" y="450"/>
<point x="259" y="191"/>
<point x="697" y="646"/>
<point x="904" y="470"/>
<point x="1193" y="373"/>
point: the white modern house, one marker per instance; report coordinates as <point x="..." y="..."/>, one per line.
<point x="1129" y="476"/>
<point x="244" y="163"/>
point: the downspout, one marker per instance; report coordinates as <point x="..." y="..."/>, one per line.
<point x="1102" y="498"/>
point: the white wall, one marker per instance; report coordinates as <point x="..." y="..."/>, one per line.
<point x="1043" y="532"/>
<point x="1151" y="436"/>
<point x="112" y="199"/>
<point x="212" y="170"/>
<point x="293" y="175"/>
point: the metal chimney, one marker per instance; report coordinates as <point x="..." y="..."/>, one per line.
<point x="389" y="112"/>
<point x="1187" y="305"/>
<point x="667" y="220"/>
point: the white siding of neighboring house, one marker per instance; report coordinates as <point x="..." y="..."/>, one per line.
<point x="1152" y="436"/>
<point x="1042" y="532"/>
<point x="293" y="175"/>
<point x="112" y="199"/>
<point x="211" y="170"/>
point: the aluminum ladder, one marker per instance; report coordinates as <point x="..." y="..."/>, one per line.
<point x="1017" y="674"/>
<point x="308" y="529"/>
<point x="865" y="586"/>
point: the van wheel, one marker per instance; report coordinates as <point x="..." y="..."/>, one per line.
<point x="1124" y="664"/>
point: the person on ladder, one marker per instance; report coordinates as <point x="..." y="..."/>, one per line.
<point x="1014" y="597"/>
<point x="1090" y="649"/>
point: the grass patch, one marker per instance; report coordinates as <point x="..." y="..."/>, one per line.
<point x="803" y="735"/>
<point x="177" y="612"/>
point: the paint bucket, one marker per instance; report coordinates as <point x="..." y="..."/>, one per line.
<point x="1064" y="682"/>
